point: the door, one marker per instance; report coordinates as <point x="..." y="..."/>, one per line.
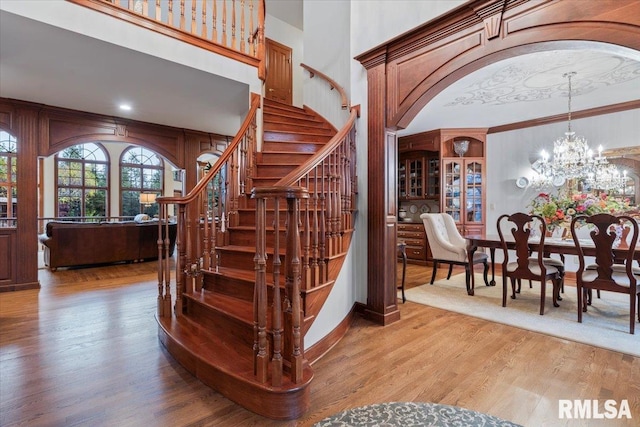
<point x="278" y="84"/>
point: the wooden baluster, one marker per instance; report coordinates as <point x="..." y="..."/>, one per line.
<point x="170" y="14"/>
<point x="306" y="230"/>
<point x="292" y="259"/>
<point x="242" y="164"/>
<point x="206" y="261"/>
<point x="181" y="260"/>
<point x="182" y="15"/>
<point x="329" y="207"/>
<point x="261" y="358"/>
<point x="233" y="24"/>
<point x="323" y="221"/>
<point x="194" y="25"/>
<point x="276" y="321"/>
<point x="262" y="67"/>
<point x="251" y="38"/>
<point x="315" y="278"/>
<point x="167" y="261"/>
<point x="214" y="28"/>
<point x="188" y="239"/>
<point x="145" y="8"/>
<point x="203" y="32"/>
<point x="131" y="5"/>
<point x="336" y="203"/>
<point x="161" y="296"/>
<point x="224" y="22"/>
<point x="159" y="10"/>
<point x="242" y="45"/>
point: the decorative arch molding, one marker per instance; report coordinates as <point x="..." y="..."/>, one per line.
<point x="405" y="73"/>
<point x="417" y="76"/>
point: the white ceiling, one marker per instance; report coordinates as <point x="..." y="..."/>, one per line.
<point x="49" y="65"/>
<point x="46" y="64"/>
<point x="533" y="86"/>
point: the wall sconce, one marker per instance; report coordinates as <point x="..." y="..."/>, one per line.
<point x="147" y="199"/>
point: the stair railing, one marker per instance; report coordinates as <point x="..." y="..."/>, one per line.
<point x="320" y="200"/>
<point x="233" y="28"/>
<point x="204" y="214"/>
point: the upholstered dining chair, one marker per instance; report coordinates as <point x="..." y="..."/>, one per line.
<point x="449" y="247"/>
<point x="608" y="273"/>
<point x="533" y="268"/>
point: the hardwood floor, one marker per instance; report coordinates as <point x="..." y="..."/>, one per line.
<point x="83" y="350"/>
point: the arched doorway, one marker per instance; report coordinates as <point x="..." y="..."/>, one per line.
<point x="404" y="74"/>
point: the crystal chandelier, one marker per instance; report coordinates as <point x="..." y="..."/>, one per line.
<point x="571" y="158"/>
<point x="607" y="177"/>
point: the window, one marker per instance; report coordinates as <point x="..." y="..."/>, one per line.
<point x="8" y="171"/>
<point x="141" y="171"/>
<point x="83" y="177"/>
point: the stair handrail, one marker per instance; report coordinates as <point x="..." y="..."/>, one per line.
<point x="198" y="231"/>
<point x="332" y="84"/>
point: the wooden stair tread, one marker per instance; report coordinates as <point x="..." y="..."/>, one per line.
<point x="215" y="358"/>
<point x="206" y="345"/>
<point x="235" y="308"/>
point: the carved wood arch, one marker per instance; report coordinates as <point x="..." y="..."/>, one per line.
<point x="404" y="74"/>
<point x="523" y="31"/>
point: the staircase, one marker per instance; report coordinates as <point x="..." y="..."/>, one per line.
<point x="216" y="332"/>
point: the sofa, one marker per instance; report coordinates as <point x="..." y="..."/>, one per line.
<point x="68" y="244"/>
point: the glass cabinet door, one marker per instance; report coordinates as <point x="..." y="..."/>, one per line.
<point x="433" y="177"/>
<point x="473" y="192"/>
<point x="416" y="178"/>
<point x="402" y="180"/>
<point x="453" y="187"/>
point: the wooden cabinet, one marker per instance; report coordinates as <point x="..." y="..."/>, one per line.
<point x="418" y="176"/>
<point x="463" y="186"/>
<point x="414" y="236"/>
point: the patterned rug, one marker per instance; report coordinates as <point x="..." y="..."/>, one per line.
<point x="405" y="414"/>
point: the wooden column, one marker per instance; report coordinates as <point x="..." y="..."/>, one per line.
<point x="27" y="125"/>
<point x="382" y="305"/>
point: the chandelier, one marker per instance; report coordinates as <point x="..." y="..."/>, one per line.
<point x="571" y="158"/>
<point x="607" y="177"/>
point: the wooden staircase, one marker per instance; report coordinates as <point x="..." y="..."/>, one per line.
<point x="214" y="333"/>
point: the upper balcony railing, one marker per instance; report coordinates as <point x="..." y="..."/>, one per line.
<point x="233" y="28"/>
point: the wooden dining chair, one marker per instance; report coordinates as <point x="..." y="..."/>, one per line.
<point x="611" y="272"/>
<point x="526" y="267"/>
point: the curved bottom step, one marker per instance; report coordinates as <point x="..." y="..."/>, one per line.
<point x="230" y="374"/>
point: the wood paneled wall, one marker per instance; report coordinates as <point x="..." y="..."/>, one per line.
<point x="405" y="73"/>
<point x="42" y="131"/>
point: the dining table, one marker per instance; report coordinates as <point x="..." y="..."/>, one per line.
<point x="552" y="245"/>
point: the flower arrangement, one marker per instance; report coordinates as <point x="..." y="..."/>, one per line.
<point x="558" y="211"/>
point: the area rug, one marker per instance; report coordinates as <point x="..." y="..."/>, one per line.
<point x="606" y="324"/>
<point x="403" y="414"/>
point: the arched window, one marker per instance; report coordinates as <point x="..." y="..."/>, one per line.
<point x="141" y="171"/>
<point x="83" y="181"/>
<point x="8" y="175"/>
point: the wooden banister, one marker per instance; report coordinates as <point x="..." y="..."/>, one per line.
<point x="332" y="84"/>
<point x="161" y="20"/>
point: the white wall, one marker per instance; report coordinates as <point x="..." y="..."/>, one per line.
<point x="326" y="46"/>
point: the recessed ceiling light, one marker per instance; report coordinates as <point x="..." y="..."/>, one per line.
<point x="125" y="107"/>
